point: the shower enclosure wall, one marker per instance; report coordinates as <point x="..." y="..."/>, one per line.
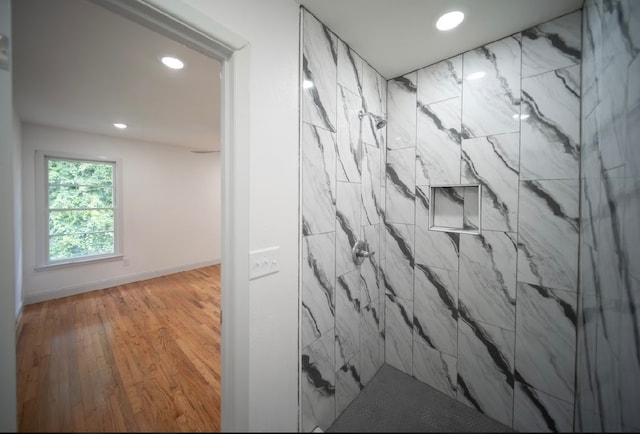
<point x="608" y="390"/>
<point x="342" y="303"/>
<point x="490" y="319"/>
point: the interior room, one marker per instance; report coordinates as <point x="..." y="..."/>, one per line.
<point x="68" y="100"/>
<point x="161" y="126"/>
<point x="429" y="210"/>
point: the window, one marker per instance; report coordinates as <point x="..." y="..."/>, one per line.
<point x="79" y="218"/>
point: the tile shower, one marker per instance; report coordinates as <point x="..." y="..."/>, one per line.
<point x="491" y="320"/>
<point x="342" y="312"/>
<point x="471" y="315"/>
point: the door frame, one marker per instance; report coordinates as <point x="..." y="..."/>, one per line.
<point x="186" y="25"/>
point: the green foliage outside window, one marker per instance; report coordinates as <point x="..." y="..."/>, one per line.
<point x="81" y="208"/>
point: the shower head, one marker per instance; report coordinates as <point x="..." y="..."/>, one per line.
<point x="379" y="120"/>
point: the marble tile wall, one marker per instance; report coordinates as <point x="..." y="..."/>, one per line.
<point x="490" y="319"/>
<point x="608" y="345"/>
<point x="343" y="199"/>
<point x="547" y="120"/>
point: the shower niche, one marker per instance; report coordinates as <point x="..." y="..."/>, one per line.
<point x="455" y="208"/>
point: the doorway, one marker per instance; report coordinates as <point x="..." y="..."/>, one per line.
<point x="234" y="143"/>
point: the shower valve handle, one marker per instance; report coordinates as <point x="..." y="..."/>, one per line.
<point x="361" y="251"/>
<point x="364" y="254"/>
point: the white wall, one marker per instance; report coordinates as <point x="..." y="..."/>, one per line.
<point x="271" y="27"/>
<point x="8" y="408"/>
<point x="170" y="220"/>
<point x="17" y="210"/>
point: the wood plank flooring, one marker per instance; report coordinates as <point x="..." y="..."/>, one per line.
<point x="138" y="357"/>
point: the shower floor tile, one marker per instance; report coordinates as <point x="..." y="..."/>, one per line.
<point x="396" y="402"/>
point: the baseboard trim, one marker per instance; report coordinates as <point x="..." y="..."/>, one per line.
<point x="109" y="283"/>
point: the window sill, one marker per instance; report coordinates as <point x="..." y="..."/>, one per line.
<point x="71" y="263"/>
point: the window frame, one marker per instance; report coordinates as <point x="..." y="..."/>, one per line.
<point x="42" y="210"/>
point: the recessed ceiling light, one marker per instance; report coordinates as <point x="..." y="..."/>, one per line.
<point x="120" y="126"/>
<point x="449" y="20"/>
<point x="307" y="84"/>
<point x="172" y="62"/>
<point x="476" y="75"/>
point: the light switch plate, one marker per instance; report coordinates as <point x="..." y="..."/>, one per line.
<point x="264" y="262"/>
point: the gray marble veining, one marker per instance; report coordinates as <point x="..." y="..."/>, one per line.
<point x="435" y="308"/>
<point x="318" y="180"/>
<point x="632" y="151"/>
<point x="374" y="94"/>
<point x="371" y="184"/>
<point x="552" y="45"/>
<point x="440" y="81"/>
<point x="349" y="136"/>
<point x="630" y="213"/>
<point x="350" y="73"/>
<point x="348" y="384"/>
<point x="382" y="254"/>
<point x="471" y="208"/>
<point x="400" y="260"/>
<point x="382" y="296"/>
<point x="592" y="37"/>
<point x="401" y="108"/>
<point x="544" y="360"/>
<point x="348" y="228"/>
<point x="550" y="134"/>
<point x="370" y="267"/>
<point x="612" y="266"/>
<point x="400" y="186"/>
<point x="318" y="286"/>
<point x="619" y="47"/>
<point x="493" y="161"/>
<point x="319" y="68"/>
<point x="488" y="277"/>
<point x="590" y="183"/>
<point x="630" y="355"/>
<point x="438" y="144"/>
<point x="318" y="384"/>
<point x="371" y="358"/>
<point x="374" y="90"/>
<point x="586" y="382"/>
<point x="485" y="368"/>
<point x="607" y="361"/>
<point x="618" y="357"/>
<point x="435" y="368"/>
<point x="539" y="412"/>
<point x="608" y="357"/>
<point x="398" y="333"/>
<point x="548" y="233"/>
<point x="491" y="89"/>
<point x="432" y="248"/>
<point x="348" y="300"/>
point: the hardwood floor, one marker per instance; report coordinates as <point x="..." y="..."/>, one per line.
<point x="138" y="357"/>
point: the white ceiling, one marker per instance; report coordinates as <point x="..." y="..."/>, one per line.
<point x="82" y="67"/>
<point x="399" y="36"/>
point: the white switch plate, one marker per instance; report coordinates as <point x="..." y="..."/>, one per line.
<point x="264" y="262"/>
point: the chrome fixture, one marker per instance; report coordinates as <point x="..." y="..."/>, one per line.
<point x="379" y="120"/>
<point x="360" y="251"/>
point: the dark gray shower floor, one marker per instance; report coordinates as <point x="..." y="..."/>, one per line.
<point x="396" y="402"/>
